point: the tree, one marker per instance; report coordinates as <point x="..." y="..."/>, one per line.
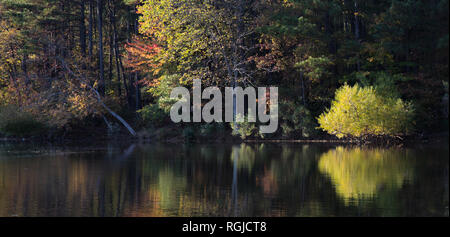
<point x="101" y="87"/>
<point x="82" y="27"/>
<point x="308" y="48"/>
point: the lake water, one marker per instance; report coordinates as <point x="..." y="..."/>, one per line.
<point x="223" y="180"/>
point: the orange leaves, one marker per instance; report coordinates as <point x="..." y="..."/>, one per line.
<point x="143" y="56"/>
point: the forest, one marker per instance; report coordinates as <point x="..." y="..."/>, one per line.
<point x="105" y="68"/>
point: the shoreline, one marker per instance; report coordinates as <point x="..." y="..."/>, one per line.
<point x="433" y="138"/>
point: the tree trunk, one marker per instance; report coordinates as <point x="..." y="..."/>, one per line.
<point x="119" y="66"/>
<point x="82" y="28"/>
<point x="101" y="87"/>
<point x="99" y="98"/>
<point x="91" y="26"/>
<point x="237" y="57"/>
<point x="131" y="87"/>
<point x="25" y="69"/>
<point x="111" y="38"/>
<point x="302" y="78"/>
<point x="357" y="36"/>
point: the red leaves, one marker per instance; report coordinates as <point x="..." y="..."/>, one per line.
<point x="142" y="56"/>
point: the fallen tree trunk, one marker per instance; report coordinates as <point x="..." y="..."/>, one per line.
<point x="99" y="98"/>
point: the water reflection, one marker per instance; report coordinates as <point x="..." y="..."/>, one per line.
<point x="223" y="180"/>
<point x="360" y="174"/>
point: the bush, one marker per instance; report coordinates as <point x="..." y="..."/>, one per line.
<point x="162" y="91"/>
<point x="243" y="129"/>
<point x="213" y="130"/>
<point x="153" y="114"/>
<point x="296" y="120"/>
<point x="15" y="122"/>
<point x="158" y="113"/>
<point x="359" y="112"/>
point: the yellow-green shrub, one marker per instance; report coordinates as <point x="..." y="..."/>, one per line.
<point x="361" y="111"/>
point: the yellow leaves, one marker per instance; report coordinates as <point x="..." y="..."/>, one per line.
<point x="81" y="104"/>
<point x="182" y="29"/>
<point x="288" y="3"/>
<point x="77" y="102"/>
<point x="10" y="61"/>
<point x="95" y="84"/>
<point x="355" y="172"/>
<point x="358" y="111"/>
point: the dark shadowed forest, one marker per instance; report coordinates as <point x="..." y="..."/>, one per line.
<point x="344" y="68"/>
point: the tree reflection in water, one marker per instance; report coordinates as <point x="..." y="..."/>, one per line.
<point x="360" y="174"/>
<point x="223" y="180"/>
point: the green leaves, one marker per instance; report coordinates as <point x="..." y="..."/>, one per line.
<point x="181" y="28"/>
<point x="243" y="129"/>
<point x="315" y="68"/>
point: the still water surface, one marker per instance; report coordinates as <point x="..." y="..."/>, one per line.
<point x="223" y="180"/>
